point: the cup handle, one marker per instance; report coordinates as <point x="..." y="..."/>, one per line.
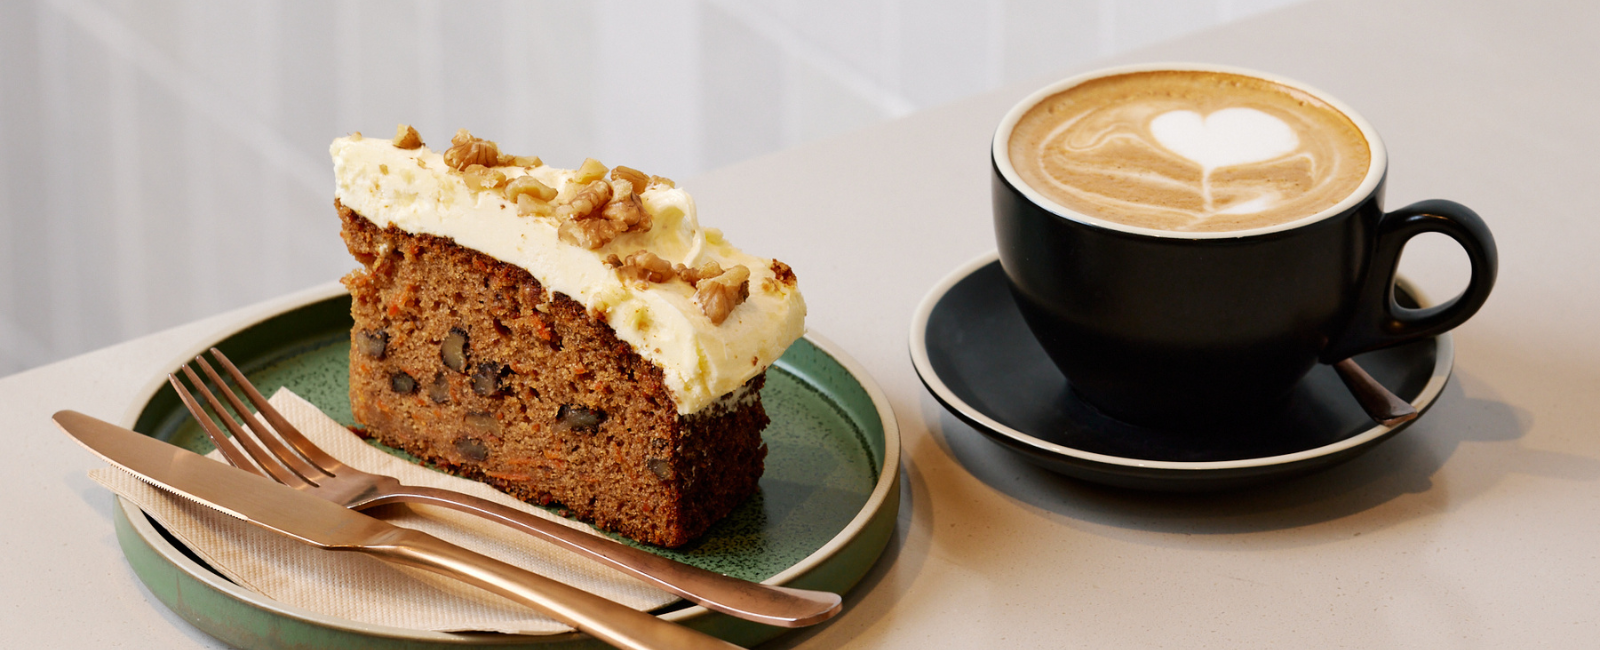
<point x="1379" y="320"/>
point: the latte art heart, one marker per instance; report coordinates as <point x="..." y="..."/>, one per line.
<point x="1231" y="136"/>
<point x="1189" y="151"/>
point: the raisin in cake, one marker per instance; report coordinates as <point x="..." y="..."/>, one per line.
<point x="572" y="337"/>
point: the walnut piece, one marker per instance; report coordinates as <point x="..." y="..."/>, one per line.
<point x="597" y="212"/>
<point x="663" y="181"/>
<point x="693" y="276"/>
<point x="591" y="170"/>
<point x="589" y="233"/>
<point x="406" y="137"/>
<point x="646" y="266"/>
<point x="626" y="208"/>
<point x="466" y="151"/>
<point x="530" y="186"/>
<point x="637" y="178"/>
<point x="717" y="296"/>
<point x="480" y="178"/>
<point x="589" y="198"/>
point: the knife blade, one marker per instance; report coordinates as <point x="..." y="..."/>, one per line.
<point x="284" y="510"/>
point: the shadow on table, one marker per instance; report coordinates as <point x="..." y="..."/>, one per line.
<point x="1403" y="466"/>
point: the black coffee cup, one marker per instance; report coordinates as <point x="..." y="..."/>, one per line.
<point x="1167" y="327"/>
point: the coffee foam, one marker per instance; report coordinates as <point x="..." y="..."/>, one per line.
<point x="1194" y="151"/>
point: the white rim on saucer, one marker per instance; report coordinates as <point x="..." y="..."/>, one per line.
<point x="1444" y="359"/>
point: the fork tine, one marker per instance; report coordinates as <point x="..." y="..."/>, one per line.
<point x="264" y="436"/>
<point x="262" y="457"/>
<point x="313" y="453"/>
<point x="230" y="449"/>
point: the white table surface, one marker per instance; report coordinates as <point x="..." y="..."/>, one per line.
<point x="1477" y="527"/>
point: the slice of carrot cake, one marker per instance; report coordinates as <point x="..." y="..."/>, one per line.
<point x="572" y="337"/>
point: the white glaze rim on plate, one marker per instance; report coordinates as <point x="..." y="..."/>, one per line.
<point x="1000" y="153"/>
<point x="888" y="478"/>
<point x="1443" y="360"/>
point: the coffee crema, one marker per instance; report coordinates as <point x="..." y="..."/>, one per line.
<point x="1193" y="151"/>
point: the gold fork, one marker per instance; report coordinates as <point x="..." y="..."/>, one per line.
<point x="315" y="472"/>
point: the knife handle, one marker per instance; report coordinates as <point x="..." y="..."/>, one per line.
<point x="620" y="626"/>
<point x="769" y="604"/>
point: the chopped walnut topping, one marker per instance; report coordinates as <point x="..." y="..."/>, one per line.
<point x="646" y="266"/>
<point x="693" y="276"/>
<point x="591" y="170"/>
<point x="626" y="208"/>
<point x="406" y="137"/>
<point x="717" y="296"/>
<point x="583" y="204"/>
<point x="637" y="178"/>
<point x="480" y="178"/>
<point x="597" y="212"/>
<point x="611" y="261"/>
<point x="530" y="186"/>
<point x="662" y="180"/>
<point x="355" y="135"/>
<point x="527" y="161"/>
<point x="589" y="233"/>
<point x="466" y="150"/>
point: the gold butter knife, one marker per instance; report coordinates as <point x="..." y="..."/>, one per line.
<point x="324" y="524"/>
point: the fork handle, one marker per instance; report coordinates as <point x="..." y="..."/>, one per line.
<point x="753" y="601"/>
<point x="608" y="621"/>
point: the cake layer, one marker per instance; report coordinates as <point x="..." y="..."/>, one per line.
<point x="416" y="191"/>
<point x="472" y="365"/>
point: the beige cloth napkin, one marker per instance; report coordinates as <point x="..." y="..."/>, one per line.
<point x="360" y="588"/>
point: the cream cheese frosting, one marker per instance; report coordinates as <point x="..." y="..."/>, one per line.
<point x="415" y="191"/>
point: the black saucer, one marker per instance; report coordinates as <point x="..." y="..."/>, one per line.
<point x="975" y="354"/>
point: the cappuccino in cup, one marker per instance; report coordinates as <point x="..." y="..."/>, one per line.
<point x="1186" y="241"/>
<point x="1189" y="151"/>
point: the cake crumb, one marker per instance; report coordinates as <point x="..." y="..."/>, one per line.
<point x="782" y="273"/>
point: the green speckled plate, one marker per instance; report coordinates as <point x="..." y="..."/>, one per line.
<point x="824" y="513"/>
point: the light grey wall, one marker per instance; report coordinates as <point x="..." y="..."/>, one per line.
<point x="165" y="160"/>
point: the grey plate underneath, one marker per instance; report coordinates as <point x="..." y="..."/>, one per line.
<point x="976" y="356"/>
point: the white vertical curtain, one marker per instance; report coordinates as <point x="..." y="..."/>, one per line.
<point x="166" y="160"/>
